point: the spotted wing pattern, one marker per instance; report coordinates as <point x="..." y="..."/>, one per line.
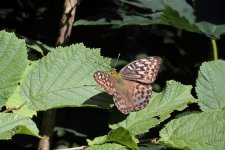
<point x="131" y="89"/>
<point x="142" y="70"/>
<point x="106" y="81"/>
<point x="132" y="96"/>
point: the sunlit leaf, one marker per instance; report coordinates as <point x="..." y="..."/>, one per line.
<point x="11" y="124"/>
<point x="210" y="85"/>
<point x="175" y="96"/>
<point x="204" y="130"/>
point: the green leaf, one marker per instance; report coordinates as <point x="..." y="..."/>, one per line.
<point x="106" y="146"/>
<point x="97" y="140"/>
<point x="11" y="124"/>
<point x="211" y="30"/>
<point x="210" y="85"/>
<point x="176" y="19"/>
<point x="125" y="20"/>
<point x="175" y="96"/>
<point x="204" y="130"/>
<point x="64" y="78"/>
<point x="182" y="15"/>
<point x="119" y="135"/>
<point x="13" y="62"/>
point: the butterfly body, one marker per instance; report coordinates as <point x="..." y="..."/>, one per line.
<point x="131" y="87"/>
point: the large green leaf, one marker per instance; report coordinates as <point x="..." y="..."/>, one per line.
<point x="175" y="96"/>
<point x="13" y="62"/>
<point x="64" y="78"/>
<point x="210" y="85"/>
<point x="119" y="135"/>
<point x="11" y="124"/>
<point x="204" y="130"/>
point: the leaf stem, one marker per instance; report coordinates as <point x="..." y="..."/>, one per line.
<point x="215" y="51"/>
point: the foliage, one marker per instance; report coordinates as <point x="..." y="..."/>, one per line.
<point x="13" y="63"/>
<point x="180" y="15"/>
<point x="210" y="86"/>
<point x="16" y="124"/>
<point x="196" y="131"/>
<point x="118" y="135"/>
<point x="64" y="78"/>
<point x="175" y="96"/>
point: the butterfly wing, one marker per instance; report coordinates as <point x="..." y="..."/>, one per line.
<point x="131" y="89"/>
<point x="106" y="81"/>
<point x="131" y="96"/>
<point x="142" y="70"/>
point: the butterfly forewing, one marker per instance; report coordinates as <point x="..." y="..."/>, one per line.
<point x="142" y="70"/>
<point x="106" y="81"/>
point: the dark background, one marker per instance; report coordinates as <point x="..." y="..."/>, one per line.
<point x="182" y="53"/>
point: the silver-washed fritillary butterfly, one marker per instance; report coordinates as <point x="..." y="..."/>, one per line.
<point x="131" y="87"/>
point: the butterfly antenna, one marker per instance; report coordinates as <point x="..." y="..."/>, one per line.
<point x="116" y="61"/>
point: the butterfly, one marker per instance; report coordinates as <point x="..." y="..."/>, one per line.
<point x="131" y="87"/>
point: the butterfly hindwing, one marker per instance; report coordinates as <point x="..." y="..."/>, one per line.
<point x="131" y="96"/>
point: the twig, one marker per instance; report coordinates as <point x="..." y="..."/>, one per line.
<point x="74" y="148"/>
<point x="9" y="109"/>
<point x="152" y="140"/>
<point x="14" y="108"/>
<point x="66" y="22"/>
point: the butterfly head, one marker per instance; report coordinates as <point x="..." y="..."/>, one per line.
<point x="115" y="74"/>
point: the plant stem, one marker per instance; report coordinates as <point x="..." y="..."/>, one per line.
<point x="48" y="123"/>
<point x="215" y="51"/>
